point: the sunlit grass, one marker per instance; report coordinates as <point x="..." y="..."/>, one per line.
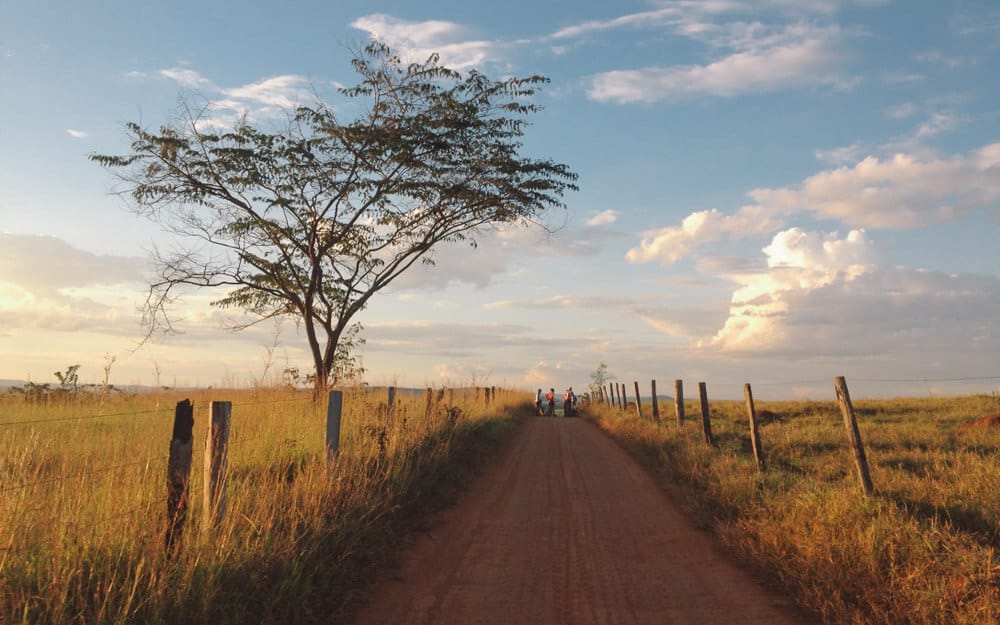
<point x="83" y="503"/>
<point x="922" y="550"/>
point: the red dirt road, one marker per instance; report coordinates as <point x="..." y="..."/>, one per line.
<point x="567" y="529"/>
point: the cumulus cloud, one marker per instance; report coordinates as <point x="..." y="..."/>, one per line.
<point x="669" y="244"/>
<point x="900" y="192"/>
<point x="797" y="260"/>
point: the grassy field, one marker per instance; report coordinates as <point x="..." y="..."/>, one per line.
<point x="922" y="550"/>
<point x="83" y="503"/>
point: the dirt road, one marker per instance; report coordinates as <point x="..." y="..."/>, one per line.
<point x="565" y="528"/>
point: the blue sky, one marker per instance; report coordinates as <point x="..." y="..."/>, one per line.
<point x="770" y="191"/>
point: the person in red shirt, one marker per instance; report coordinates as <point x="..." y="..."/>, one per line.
<point x="551" y="398"/>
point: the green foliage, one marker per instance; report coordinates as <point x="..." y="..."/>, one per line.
<point x="598" y="378"/>
<point x="313" y="220"/>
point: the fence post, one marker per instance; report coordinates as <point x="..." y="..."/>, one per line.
<point x="334" y="407"/>
<point x="609" y="395"/>
<point x="390" y="404"/>
<point x="216" y="463"/>
<point x="706" y="424"/>
<point x="656" y="405"/>
<point x="179" y="471"/>
<point x="851" y="424"/>
<point x="758" y="451"/>
<point x="679" y="401"/>
<point x="638" y="402"/>
<point x="429" y="401"/>
<point x="623" y="397"/>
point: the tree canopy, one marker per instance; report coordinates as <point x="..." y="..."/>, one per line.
<point x="312" y="220"/>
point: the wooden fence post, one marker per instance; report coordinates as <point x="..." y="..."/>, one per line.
<point x="706" y="424"/>
<point x="638" y="402"/>
<point x="656" y="404"/>
<point x="609" y="395"/>
<point x="216" y="463"/>
<point x="179" y="471"/>
<point x="429" y="402"/>
<point x="758" y="452"/>
<point x="851" y="424"/>
<point x="679" y="401"/>
<point x="390" y="404"/>
<point x="623" y="397"/>
<point x="334" y="407"/>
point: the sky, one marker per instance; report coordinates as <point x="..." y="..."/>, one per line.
<point x="770" y="191"/>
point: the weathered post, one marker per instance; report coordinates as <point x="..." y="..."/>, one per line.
<point x="390" y="405"/>
<point x="679" y="401"/>
<point x="656" y="404"/>
<point x="609" y="395"/>
<point x="216" y="464"/>
<point x="851" y="424"/>
<point x="758" y="452"/>
<point x="638" y="402"/>
<point x="334" y="407"/>
<point x="706" y="424"/>
<point x="623" y="397"/>
<point x="429" y="401"/>
<point x="179" y="471"/>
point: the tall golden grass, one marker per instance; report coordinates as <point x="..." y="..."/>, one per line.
<point x="83" y="503"/>
<point x="922" y="550"/>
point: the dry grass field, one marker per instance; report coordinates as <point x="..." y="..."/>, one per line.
<point x="923" y="549"/>
<point x="83" y="503"/>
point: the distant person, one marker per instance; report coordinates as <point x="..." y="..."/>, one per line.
<point x="569" y="402"/>
<point x="551" y="398"/>
<point x="538" y="403"/>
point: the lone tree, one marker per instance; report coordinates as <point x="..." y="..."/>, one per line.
<point x="313" y="220"/>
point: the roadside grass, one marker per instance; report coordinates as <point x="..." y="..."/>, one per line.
<point x="922" y="550"/>
<point x="83" y="504"/>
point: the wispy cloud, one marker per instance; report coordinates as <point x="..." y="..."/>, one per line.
<point x="264" y="99"/>
<point x="901" y="111"/>
<point x="418" y="40"/>
<point x="603" y="218"/>
<point x="77" y="134"/>
<point x="793" y="56"/>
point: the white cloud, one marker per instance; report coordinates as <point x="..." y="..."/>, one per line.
<point x="188" y="78"/>
<point x="900" y="192"/>
<point x="938" y="123"/>
<point x="418" y="40"/>
<point x="762" y="61"/>
<point x="76" y="134"/>
<point x="671" y="243"/>
<point x="603" y="218"/>
<point x="840" y="156"/>
<point x="936" y="57"/>
<point x="796" y="261"/>
<point x="901" y="111"/>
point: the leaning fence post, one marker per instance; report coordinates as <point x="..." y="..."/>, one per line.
<point x="638" y="402"/>
<point x="706" y="424"/>
<point x="851" y="424"/>
<point x="334" y="407"/>
<point x="216" y="463"/>
<point x="679" y="401"/>
<point x="656" y="405"/>
<point x="179" y="471"/>
<point x="623" y="397"/>
<point x="429" y="402"/>
<point x="758" y="452"/>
